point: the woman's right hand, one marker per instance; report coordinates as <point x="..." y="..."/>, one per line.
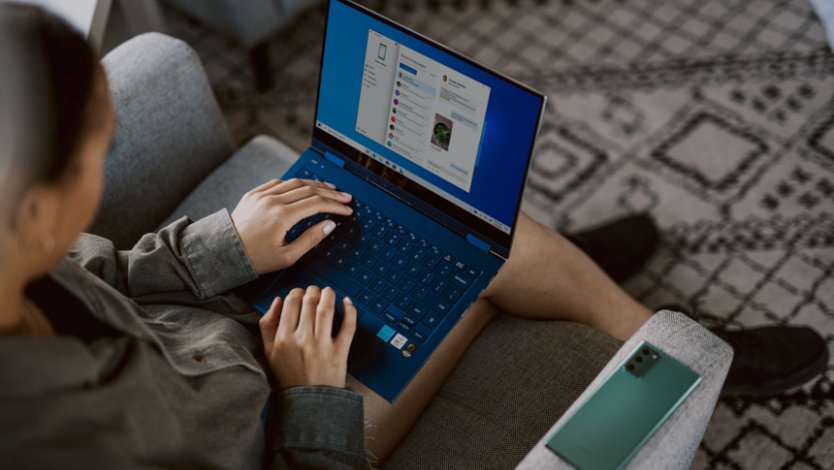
<point x="297" y="338"/>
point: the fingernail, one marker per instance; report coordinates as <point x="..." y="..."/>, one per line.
<point x="330" y="185"/>
<point x="347" y="195"/>
<point x="329" y="226"/>
<point x="347" y="299"/>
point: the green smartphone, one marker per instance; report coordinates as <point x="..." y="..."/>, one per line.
<point x="611" y="426"/>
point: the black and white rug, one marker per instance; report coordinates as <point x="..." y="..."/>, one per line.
<point x="715" y="116"/>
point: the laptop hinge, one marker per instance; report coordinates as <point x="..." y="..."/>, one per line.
<point x="477" y="243"/>
<point x="334" y="159"/>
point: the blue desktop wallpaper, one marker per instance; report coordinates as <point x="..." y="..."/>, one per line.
<point x="510" y="117"/>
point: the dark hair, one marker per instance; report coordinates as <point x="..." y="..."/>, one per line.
<point x="51" y="76"/>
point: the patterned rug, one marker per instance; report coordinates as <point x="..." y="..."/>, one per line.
<point x="715" y="116"/>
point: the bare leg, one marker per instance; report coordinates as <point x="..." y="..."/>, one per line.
<point x="546" y="278"/>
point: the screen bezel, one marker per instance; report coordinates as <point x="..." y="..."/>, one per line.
<point x="410" y="191"/>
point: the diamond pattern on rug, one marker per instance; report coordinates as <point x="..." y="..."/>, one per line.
<point x="715" y="117"/>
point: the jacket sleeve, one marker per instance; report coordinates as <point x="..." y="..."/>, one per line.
<point x="204" y="258"/>
<point x="317" y="427"/>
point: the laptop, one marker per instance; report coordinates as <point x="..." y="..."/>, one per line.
<point x="435" y="149"/>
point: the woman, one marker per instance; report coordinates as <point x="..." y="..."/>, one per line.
<point x="142" y="358"/>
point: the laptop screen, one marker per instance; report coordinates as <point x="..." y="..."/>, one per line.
<point x="450" y="133"/>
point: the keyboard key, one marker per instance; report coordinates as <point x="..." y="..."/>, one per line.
<point x="453" y="295"/>
<point x="305" y="174"/>
<point x="404" y="326"/>
<point x="431" y="262"/>
<point x="417" y="311"/>
<point x="406" y="285"/>
<point x="436" y="251"/>
<point x="390" y="294"/>
<point x="388" y="254"/>
<point x="368" y="224"/>
<point x="405" y="246"/>
<point x="380" y="232"/>
<point x="420" y="333"/>
<point x="448" y="258"/>
<point x="394" y="277"/>
<point x="400" y="262"/>
<point x="413" y="270"/>
<point x="446" y="270"/>
<point x="355" y="253"/>
<point x="421" y="293"/>
<point x="393" y="238"/>
<point x="389" y="317"/>
<point x="377" y="285"/>
<point x="403" y="302"/>
<point x="417" y="254"/>
<point x="438" y="304"/>
<point x="381" y="269"/>
<point x="426" y="278"/>
<point x="459" y="264"/>
<point x="366" y="298"/>
<point x="368" y="261"/>
<point x="431" y="319"/>
<point x="379" y="305"/>
<point x="375" y="246"/>
<point x="401" y="230"/>
<point x="439" y="286"/>
<point x="423" y="243"/>
<point x="473" y="273"/>
<point x="409" y="321"/>
<point x="461" y="282"/>
<point x="364" y="277"/>
<point x="340" y="261"/>
<point x="353" y="270"/>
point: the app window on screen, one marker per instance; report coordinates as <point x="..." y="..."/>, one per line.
<point x="422" y="110"/>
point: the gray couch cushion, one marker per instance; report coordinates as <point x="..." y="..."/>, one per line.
<point x="260" y="160"/>
<point x="512" y="384"/>
<point x="171" y="134"/>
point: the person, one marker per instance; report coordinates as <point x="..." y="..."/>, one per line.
<point x="143" y="358"/>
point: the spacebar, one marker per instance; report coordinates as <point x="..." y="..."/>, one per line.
<point x="338" y="279"/>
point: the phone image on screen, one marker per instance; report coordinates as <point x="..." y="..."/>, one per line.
<point x="382" y="50"/>
<point x="619" y="417"/>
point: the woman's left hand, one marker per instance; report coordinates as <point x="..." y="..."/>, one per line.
<point x="265" y="214"/>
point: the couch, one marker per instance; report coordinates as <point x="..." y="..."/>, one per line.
<point x="516" y="380"/>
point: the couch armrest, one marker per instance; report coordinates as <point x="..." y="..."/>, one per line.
<point x="675" y="443"/>
<point x="171" y="134"/>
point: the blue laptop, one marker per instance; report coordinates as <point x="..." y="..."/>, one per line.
<point x="435" y="148"/>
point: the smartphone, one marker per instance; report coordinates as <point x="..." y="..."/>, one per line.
<point x="617" y="420"/>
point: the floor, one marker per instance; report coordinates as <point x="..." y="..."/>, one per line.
<point x="716" y="117"/>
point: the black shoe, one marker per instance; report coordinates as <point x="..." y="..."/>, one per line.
<point x="767" y="360"/>
<point x="621" y="247"/>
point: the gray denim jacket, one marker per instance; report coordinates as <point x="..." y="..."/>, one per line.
<point x="183" y="385"/>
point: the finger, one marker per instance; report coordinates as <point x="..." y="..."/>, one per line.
<point x="315" y="204"/>
<point x="324" y="315"/>
<point x="345" y="336"/>
<point x="269" y="324"/>
<point x="306" y="322"/>
<point x="308" y="240"/>
<point x="289" y="313"/>
<point x="269" y="184"/>
<point x="304" y="192"/>
<point x="296" y="183"/>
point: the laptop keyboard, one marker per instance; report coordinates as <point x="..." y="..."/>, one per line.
<point x="387" y="269"/>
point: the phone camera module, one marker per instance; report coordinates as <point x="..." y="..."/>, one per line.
<point x="630" y="367"/>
